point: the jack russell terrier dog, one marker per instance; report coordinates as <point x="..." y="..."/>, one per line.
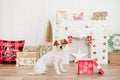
<point x="54" y="57"/>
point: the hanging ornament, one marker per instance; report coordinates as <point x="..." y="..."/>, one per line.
<point x="94" y="45"/>
<point x="104" y="51"/>
<point x="103" y="57"/>
<point x="69" y="39"/>
<point x="105" y="37"/>
<point x="96" y="59"/>
<point x="89" y="40"/>
<point x="104" y="43"/>
<point x="94" y="52"/>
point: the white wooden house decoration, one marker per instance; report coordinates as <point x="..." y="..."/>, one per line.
<point x="82" y="29"/>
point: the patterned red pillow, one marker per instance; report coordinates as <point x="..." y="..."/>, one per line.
<point x="8" y="50"/>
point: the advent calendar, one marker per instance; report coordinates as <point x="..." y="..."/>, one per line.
<point x="97" y="30"/>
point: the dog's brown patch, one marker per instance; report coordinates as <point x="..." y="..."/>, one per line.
<point x="56" y="43"/>
<point x="65" y="41"/>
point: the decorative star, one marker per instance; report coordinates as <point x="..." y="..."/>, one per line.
<point x="79" y="55"/>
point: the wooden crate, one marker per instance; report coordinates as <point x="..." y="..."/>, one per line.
<point x="114" y="57"/>
<point x="26" y="58"/>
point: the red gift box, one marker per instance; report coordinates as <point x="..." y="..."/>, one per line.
<point x="85" y="67"/>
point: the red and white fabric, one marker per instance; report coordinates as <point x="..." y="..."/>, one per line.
<point x="101" y="71"/>
<point x="8" y="50"/>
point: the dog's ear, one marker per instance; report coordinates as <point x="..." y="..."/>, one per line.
<point x="55" y="43"/>
<point x="65" y="41"/>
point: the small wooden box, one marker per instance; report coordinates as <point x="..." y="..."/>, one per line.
<point x="26" y="58"/>
<point x="114" y="57"/>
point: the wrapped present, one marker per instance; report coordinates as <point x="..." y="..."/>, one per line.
<point x="26" y="58"/>
<point x="100" y="69"/>
<point x="85" y="67"/>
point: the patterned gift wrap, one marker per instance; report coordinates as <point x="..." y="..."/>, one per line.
<point x="85" y="67"/>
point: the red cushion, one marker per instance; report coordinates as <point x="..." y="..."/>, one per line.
<point x="1" y="59"/>
<point x="8" y="50"/>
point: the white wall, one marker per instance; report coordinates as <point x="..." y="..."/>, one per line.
<point x="27" y="19"/>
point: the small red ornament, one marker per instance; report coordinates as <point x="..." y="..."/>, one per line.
<point x="94" y="52"/>
<point x="69" y="39"/>
<point x="89" y="40"/>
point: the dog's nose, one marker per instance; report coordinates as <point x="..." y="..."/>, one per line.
<point x="60" y="47"/>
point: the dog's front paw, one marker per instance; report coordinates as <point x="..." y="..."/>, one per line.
<point x="45" y="72"/>
<point x="59" y="73"/>
<point x="63" y="71"/>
